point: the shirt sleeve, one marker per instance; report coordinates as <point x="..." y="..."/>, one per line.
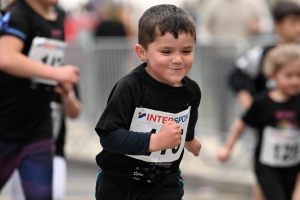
<point x="120" y="107"/>
<point x="191" y="129"/>
<point x="251" y="117"/>
<point x="114" y="124"/>
<point x="247" y="68"/>
<point x="17" y="25"/>
<point x="239" y="81"/>
<point x="249" y="64"/>
<point x="126" y="142"/>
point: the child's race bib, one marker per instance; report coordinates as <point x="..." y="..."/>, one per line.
<point x="147" y="120"/>
<point x="280" y="148"/>
<point x="48" y="51"/>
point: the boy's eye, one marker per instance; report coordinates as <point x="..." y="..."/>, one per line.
<point x="165" y="52"/>
<point x="187" y="51"/>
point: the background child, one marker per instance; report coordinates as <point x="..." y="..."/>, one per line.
<point x="247" y="79"/>
<point x="65" y="103"/>
<point x="151" y="113"/>
<point x="276" y="116"/>
<point x="29" y="73"/>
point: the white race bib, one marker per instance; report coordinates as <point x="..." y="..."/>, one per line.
<point x="280" y="148"/>
<point x="48" y="51"/>
<point x="147" y="120"/>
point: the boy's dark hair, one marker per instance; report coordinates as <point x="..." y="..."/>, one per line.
<point x="161" y="19"/>
<point x="285" y="8"/>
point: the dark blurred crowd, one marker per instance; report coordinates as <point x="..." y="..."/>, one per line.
<point x="102" y="17"/>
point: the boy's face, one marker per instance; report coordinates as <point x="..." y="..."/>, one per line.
<point x="288" y="78"/>
<point x="170" y="59"/>
<point x="289" y="28"/>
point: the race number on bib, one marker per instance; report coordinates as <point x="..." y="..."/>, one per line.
<point x="48" y="51"/>
<point x="280" y="148"/>
<point x="147" y="120"/>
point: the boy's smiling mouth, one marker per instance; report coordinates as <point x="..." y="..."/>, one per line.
<point x="176" y="69"/>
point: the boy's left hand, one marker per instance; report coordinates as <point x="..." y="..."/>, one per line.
<point x="193" y="146"/>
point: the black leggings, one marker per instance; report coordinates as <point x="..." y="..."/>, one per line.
<point x="276" y="183"/>
<point x="169" y="188"/>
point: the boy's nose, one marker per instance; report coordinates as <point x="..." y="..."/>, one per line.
<point x="177" y="60"/>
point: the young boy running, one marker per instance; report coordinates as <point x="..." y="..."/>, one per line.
<point x="151" y="113"/>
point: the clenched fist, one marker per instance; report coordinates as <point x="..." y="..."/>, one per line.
<point x="168" y="137"/>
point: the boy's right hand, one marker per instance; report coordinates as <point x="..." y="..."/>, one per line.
<point x="223" y="154"/>
<point x="67" y="73"/>
<point x="168" y="137"/>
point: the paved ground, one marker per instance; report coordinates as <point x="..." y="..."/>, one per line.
<point x="81" y="180"/>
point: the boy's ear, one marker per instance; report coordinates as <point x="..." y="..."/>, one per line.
<point x="141" y="52"/>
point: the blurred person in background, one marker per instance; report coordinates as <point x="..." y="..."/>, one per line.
<point x="114" y="20"/>
<point x="94" y="4"/>
<point x="247" y="79"/>
<point x="65" y="103"/>
<point x="114" y="26"/>
<point x="75" y="23"/>
<point x="111" y="21"/>
<point x="85" y="18"/>
<point x="31" y="49"/>
<point x="232" y="18"/>
<point x="275" y="114"/>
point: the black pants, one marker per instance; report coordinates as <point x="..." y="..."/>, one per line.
<point x="170" y="188"/>
<point x="276" y="183"/>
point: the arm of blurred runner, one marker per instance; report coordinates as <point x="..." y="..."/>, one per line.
<point x="235" y="131"/>
<point x="296" y="193"/>
<point x="13" y="62"/>
<point x="245" y="99"/>
<point x="71" y="103"/>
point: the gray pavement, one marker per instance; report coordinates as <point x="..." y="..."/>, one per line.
<point x="81" y="182"/>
